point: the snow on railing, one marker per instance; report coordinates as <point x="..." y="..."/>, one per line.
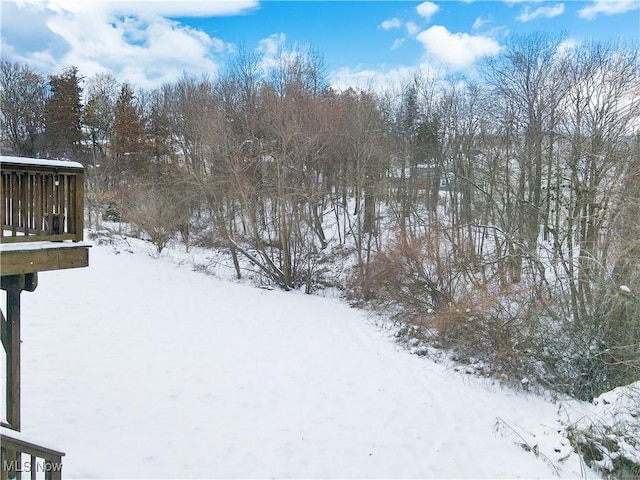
<point x="42" y="200"/>
<point x="39" y="459"/>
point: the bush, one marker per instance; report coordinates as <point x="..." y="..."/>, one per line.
<point x="410" y="279"/>
<point x="158" y="215"/>
<point x="609" y="441"/>
<point x="497" y="330"/>
<point x="598" y="352"/>
<point x="111" y="213"/>
<point x="526" y="332"/>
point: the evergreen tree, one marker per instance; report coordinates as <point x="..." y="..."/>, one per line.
<point x="63" y="116"/>
<point x="127" y="142"/>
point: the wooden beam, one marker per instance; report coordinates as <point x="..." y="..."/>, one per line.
<point x="12" y="282"/>
<point x="12" y="348"/>
<point x="16" y="262"/>
<point x="10" y="333"/>
<point x="4" y="332"/>
<point x="59" y="237"/>
<point x="31" y="281"/>
<point x="28" y="282"/>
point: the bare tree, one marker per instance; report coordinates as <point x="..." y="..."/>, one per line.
<point x="99" y="113"/>
<point x="23" y="94"/>
<point x="526" y="79"/>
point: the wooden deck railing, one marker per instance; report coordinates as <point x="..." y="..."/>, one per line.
<point x="42" y="200"/>
<point x="41" y="460"/>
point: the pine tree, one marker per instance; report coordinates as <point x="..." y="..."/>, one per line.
<point x="127" y="143"/>
<point x="63" y="115"/>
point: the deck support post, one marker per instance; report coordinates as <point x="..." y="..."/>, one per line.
<point x="14" y="285"/>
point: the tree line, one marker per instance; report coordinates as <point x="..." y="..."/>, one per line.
<point x="497" y="215"/>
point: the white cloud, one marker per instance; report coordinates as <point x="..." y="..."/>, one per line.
<point x="481" y="22"/>
<point x="567" y="45"/>
<point x="457" y="50"/>
<point x="412" y="28"/>
<point x="607" y="7"/>
<point x="271" y="45"/>
<point x="271" y="48"/>
<point x="133" y="40"/>
<point x="391" y="23"/>
<point x="427" y="9"/>
<point x="378" y="80"/>
<point x="541" y="12"/>
<point x="514" y="2"/>
<point x="275" y="52"/>
<point x="146" y="8"/>
<point x="397" y="43"/>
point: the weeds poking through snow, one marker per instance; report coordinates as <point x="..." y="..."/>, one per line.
<point x="504" y="429"/>
<point x="609" y="441"/>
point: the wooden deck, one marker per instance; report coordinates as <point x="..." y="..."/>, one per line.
<point x="42" y="212"/>
<point x="42" y="221"/>
<point x="41" y="200"/>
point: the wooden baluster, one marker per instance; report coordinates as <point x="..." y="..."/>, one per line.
<point x="38" y="203"/>
<point x="49" y="191"/>
<point x="79" y="207"/>
<point x="3" y="205"/>
<point x="30" y="212"/>
<point x="24" y="181"/>
<point x="14" y="206"/>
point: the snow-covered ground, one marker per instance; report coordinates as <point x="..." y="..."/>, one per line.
<point x="141" y="368"/>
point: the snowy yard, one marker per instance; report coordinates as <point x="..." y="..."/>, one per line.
<point x="140" y="368"/>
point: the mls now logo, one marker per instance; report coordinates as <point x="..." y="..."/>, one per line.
<point x="27" y="467"/>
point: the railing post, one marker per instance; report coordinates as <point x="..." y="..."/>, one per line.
<point x="11" y="467"/>
<point x="78" y="206"/>
<point x="12" y="347"/>
<point x="14" y="285"/>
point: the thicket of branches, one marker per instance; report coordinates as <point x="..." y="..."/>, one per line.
<point x="498" y="215"/>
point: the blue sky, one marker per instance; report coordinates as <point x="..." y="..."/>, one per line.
<point x="149" y="42"/>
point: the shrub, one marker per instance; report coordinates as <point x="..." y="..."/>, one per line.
<point x="609" y="440"/>
<point x="155" y="213"/>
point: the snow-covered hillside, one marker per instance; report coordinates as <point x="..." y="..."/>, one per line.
<point x="141" y="368"/>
